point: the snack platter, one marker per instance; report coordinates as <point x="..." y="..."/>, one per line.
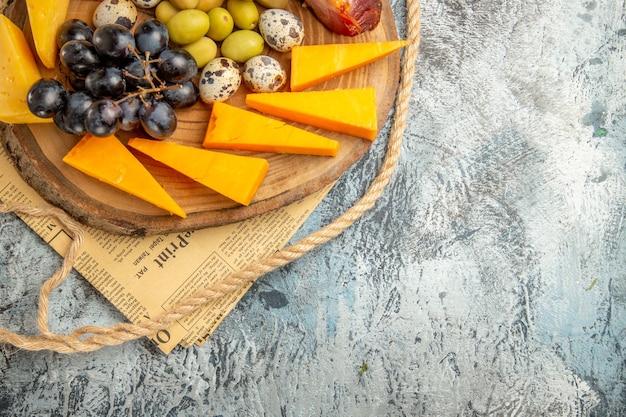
<point x="38" y="150"/>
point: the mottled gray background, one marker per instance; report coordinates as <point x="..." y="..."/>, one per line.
<point x="466" y="291"/>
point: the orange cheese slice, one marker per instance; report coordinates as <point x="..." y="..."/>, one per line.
<point x="108" y="160"/>
<point x="233" y="128"/>
<point x="313" y="64"/>
<point x="46" y="17"/>
<point x="18" y="72"/>
<point x="351" y="111"/>
<point x="234" y="176"/>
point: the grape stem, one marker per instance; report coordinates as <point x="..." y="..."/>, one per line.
<point x="143" y="91"/>
<point x="149" y="76"/>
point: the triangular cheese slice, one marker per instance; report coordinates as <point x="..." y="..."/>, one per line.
<point x="46" y="17"/>
<point x="351" y="111"/>
<point x="234" y="176"/>
<point x="234" y="128"/>
<point x="18" y="72"/>
<point x="107" y="159"/>
<point x="313" y="64"/>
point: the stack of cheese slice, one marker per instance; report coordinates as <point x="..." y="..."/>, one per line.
<point x="351" y="111"/>
<point x="108" y="160"/>
<point x="237" y="129"/>
<point x="234" y="176"/>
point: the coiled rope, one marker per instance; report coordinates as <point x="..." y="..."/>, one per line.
<point x="91" y="338"/>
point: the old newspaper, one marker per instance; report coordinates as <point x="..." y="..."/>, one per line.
<point x="143" y="277"/>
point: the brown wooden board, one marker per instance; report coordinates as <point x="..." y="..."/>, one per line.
<point x="37" y="150"/>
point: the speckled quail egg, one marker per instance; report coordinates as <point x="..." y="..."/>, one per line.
<point x="281" y="29"/>
<point x="220" y="79"/>
<point x="122" y="12"/>
<point x="146" y="4"/>
<point x="263" y="74"/>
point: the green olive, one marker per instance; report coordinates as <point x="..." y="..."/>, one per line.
<point x="242" y="45"/>
<point x="188" y="26"/>
<point x="206" y="5"/>
<point x="203" y="50"/>
<point x="245" y="13"/>
<point x="185" y="4"/>
<point x="164" y="11"/>
<point x="273" y="4"/>
<point x="221" y="24"/>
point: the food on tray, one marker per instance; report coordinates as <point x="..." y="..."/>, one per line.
<point x="147" y="4"/>
<point x="234" y="176"/>
<point x="46" y="17"/>
<point x="264" y="74"/>
<point x="203" y="50"/>
<point x="220" y="79"/>
<point x="221" y="24"/>
<point x="313" y="64"/>
<point x="125" y="87"/>
<point x="281" y="29"/>
<point x="233" y="128"/>
<point x="131" y="72"/>
<point x="347" y="17"/>
<point x="46" y="97"/>
<point x="164" y="11"/>
<point x="151" y="37"/>
<point x="242" y="45"/>
<point x="18" y="71"/>
<point x="108" y="160"/>
<point x="187" y="26"/>
<point x="351" y="111"/>
<point x="273" y="4"/>
<point x="185" y="4"/>
<point x="244" y="12"/>
<point x="121" y="12"/>
<point x="206" y="5"/>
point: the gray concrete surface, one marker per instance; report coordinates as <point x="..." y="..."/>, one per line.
<point x="467" y="291"/>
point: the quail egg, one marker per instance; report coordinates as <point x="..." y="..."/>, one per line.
<point x="220" y="79"/>
<point x="146" y="4"/>
<point x="281" y="29"/>
<point x="122" y="12"/>
<point x="263" y="74"/>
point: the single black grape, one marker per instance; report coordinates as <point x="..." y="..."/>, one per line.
<point x="79" y="57"/>
<point x="74" y="29"/>
<point x="151" y="37"/>
<point x="59" y="121"/>
<point x="75" y="112"/>
<point x="176" y="66"/>
<point x="105" y="82"/>
<point x="103" y="117"/>
<point x="129" y="119"/>
<point x="77" y="82"/>
<point x="114" y="42"/>
<point x="46" y="97"/>
<point x="182" y="95"/>
<point x="158" y="119"/>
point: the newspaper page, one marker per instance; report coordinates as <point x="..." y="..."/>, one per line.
<point x="144" y="276"/>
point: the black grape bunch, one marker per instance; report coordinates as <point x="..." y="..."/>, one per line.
<point x="116" y="79"/>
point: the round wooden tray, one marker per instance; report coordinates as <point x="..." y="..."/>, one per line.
<point x="37" y="150"/>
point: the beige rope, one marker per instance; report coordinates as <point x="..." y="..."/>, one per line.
<point x="90" y="338"/>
